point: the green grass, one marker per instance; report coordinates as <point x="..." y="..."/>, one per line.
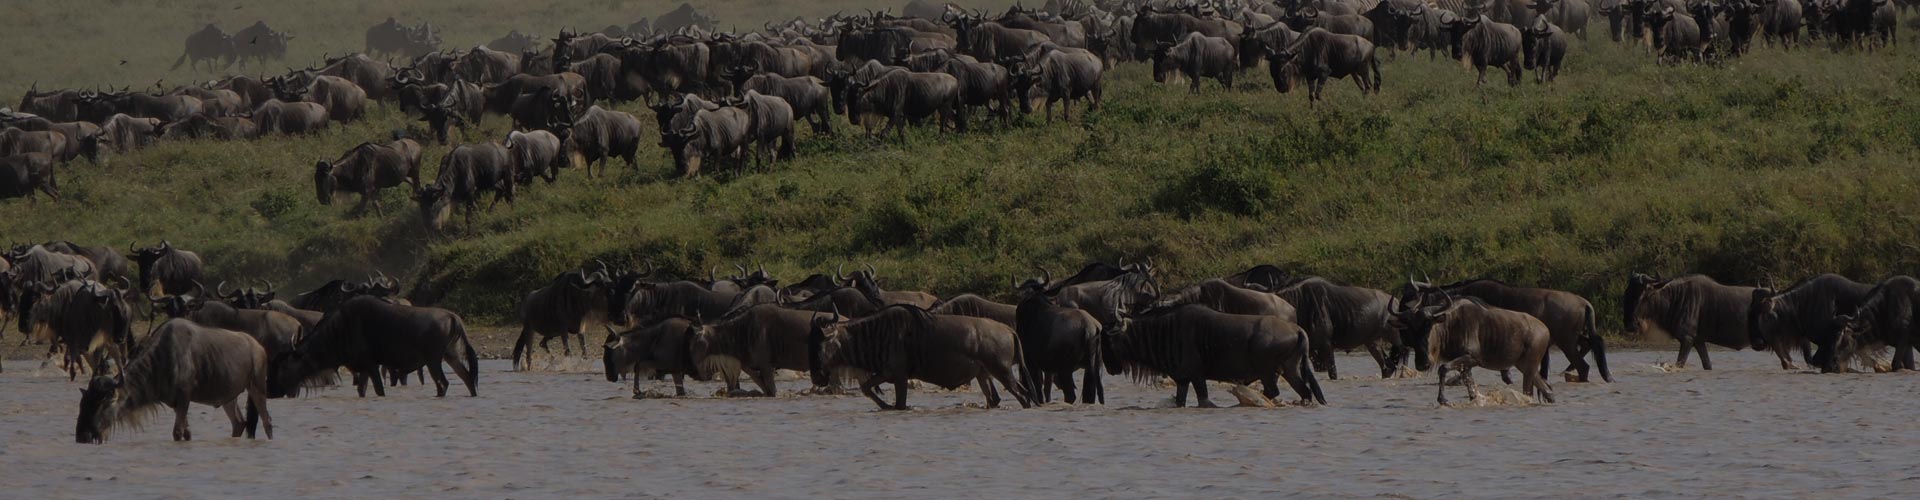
<point x="1771" y="167"/>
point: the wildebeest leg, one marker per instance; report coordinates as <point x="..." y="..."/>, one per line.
<point x="1005" y="376"/>
<point x="1179" y="394"/>
<point x="1271" y="383"/>
<point x="679" y="384"/>
<point x="1373" y="349"/>
<point x="1699" y="345"/>
<point x="763" y="377"/>
<point x="1685" y="346"/>
<point x="866" y="387"/>
<point x="180" y="431"/>
<point x="1200" y="394"/>
<point x="1442" y="372"/>
<point x="360" y="383"/>
<point x="1064" y="379"/>
<point x="257" y="407"/>
<point x="986" y="389"/>
<point x="233" y="416"/>
<point x="1505" y="376"/>
<point x="1041" y="384"/>
<point x="439" y="379"/>
<point x="1092" y="391"/>
<point x="1466" y="378"/>
<point x="900" y="393"/>
<point x="379" y="386"/>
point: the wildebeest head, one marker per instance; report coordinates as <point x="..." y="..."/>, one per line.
<point x="1113" y="345"/>
<point x="1415" y="320"/>
<point x="1457" y="32"/>
<point x="175" y="306"/>
<point x="323" y="181"/>
<point x="383" y="286"/>
<point x="1640" y="289"/>
<point x="1162" y="64"/>
<point x="613" y="354"/>
<point x="433" y="205"/>
<point x="1763" y="318"/>
<point x="1280" y="63"/>
<point x="823" y="345"/>
<point x="146" y="256"/>
<point x="100" y="393"/>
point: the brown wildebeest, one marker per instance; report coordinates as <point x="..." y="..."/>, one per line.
<point x="368" y="333"/>
<point x="1193" y="344"/>
<point x="1464" y="333"/>
<point x="1568" y="316"/>
<point x="1694" y="310"/>
<point x="656" y="349"/>
<point x="906" y="342"/>
<point x="760" y="340"/>
<point x="181" y="362"/>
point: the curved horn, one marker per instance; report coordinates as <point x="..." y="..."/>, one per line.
<point x="836" y="274"/>
<point x="871" y="273"/>
<point x="220" y="290"/>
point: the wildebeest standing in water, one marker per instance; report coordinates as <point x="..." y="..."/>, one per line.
<point x="1806" y="312"/>
<point x="1193" y="344"/>
<point x="85" y="317"/>
<point x="656" y="349"/>
<point x="172" y="270"/>
<point x="564" y="307"/>
<point x="1886" y="317"/>
<point x="1694" y="310"/>
<point x="1340" y="317"/>
<point x="1460" y="334"/>
<point x="1058" y="340"/>
<point x="366" y="334"/>
<point x="180" y="363"/>
<point x="906" y="342"/>
<point x="760" y="340"/>
<point x="1570" y="319"/>
<point x="274" y="331"/>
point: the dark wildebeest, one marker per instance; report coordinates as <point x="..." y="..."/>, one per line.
<point x="1058" y="340"/>
<point x="1340" y="317"/>
<point x="978" y="307"/>
<point x="1263" y="276"/>
<point x="1256" y="43"/>
<point x="1195" y="57"/>
<point x="1886" y="317"/>
<point x="684" y="16"/>
<point x="1485" y="43"/>
<point x="165" y="270"/>
<point x="1780" y="22"/>
<point x="769" y="124"/>
<point x="83" y="316"/>
<point x="463" y="104"/>
<point x="366" y="334"/>
<point x="344" y="100"/>
<point x="1319" y="55"/>
<point x="82" y="138"/>
<point x="535" y="154"/>
<point x="904" y="342"/>
<point x="486" y="66"/>
<point x="1065" y="74"/>
<point x="252" y="91"/>
<point x="259" y="43"/>
<point x="567" y="306"/>
<point x="806" y="95"/>
<point x="1569" y="15"/>
<point x="210" y="44"/>
<point x="1464" y="333"/>
<point x="1151" y="27"/>
<point x="659" y="348"/>
<point x="903" y="97"/>
<point x="98" y="108"/>
<point x="22" y="175"/>
<point x="759" y="340"/>
<point x="650" y="302"/>
<point x="1805" y="312"/>
<point x="58" y="105"/>
<point x="215" y="102"/>
<point x="1570" y="319"/>
<point x="514" y="41"/>
<point x="226" y="128"/>
<point x="699" y="134"/>
<point x="845" y="301"/>
<point x="180" y="363"/>
<point x="251" y="298"/>
<point x="1193" y="344"/>
<point x="366" y="169"/>
<point x="329" y="296"/>
<point x="290" y="118"/>
<point x="1676" y="36"/>
<point x="1543" y="47"/>
<point x="992" y="41"/>
<point x="670" y="65"/>
<point x="466" y="173"/>
<point x="597" y="135"/>
<point x="1692" y="310"/>
<point x="274" y="331"/>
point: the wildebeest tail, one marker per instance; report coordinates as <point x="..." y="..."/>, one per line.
<point x="473" y="358"/>
<point x="1599" y="345"/>
<point x="1306" y="370"/>
<point x="523" y="345"/>
<point x="1026" y="374"/>
<point x="253" y="416"/>
<point x="1374" y="61"/>
<point x="177" y="62"/>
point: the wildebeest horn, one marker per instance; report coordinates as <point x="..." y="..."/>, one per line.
<point x="220" y="290"/>
<point x="741" y="269"/>
<point x="127" y="282"/>
<point x="871" y="273"/>
<point x="836" y="274"/>
<point x="710" y="270"/>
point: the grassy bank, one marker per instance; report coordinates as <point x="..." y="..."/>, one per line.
<point x="1774" y="166"/>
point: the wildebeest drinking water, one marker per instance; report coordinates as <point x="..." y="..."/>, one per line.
<point x="181" y="362"/>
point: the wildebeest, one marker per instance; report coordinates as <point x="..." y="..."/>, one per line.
<point x="165" y="270"/>
<point x="1806" y="312"/>
<point x="465" y="174"/>
<point x="597" y="135"/>
<point x="514" y="41"/>
<point x="463" y="104"/>
<point x="259" y="43"/>
<point x="1058" y="340"/>
<point x="83" y="316"/>
<point x="290" y="118"/>
<point x="904" y="96"/>
<point x="393" y="38"/>
<point x="992" y="41"/>
<point x="1569" y="318"/>
<point x="1694" y="310"/>
<point x="373" y="77"/>
<point x="98" y="108"/>
<point x="274" y="331"/>
<point x="1543" y="47"/>
<point x="1151" y="27"/>
<point x="906" y="342"/>
<point x="210" y="44"/>
<point x="1886" y="317"/>
<point x="980" y="307"/>
<point x="366" y="169"/>
<point x="366" y="334"/>
<point x="769" y="124"/>
<point x="1464" y="333"/>
<point x="127" y="133"/>
<point x="22" y="175"/>
<point x="668" y="66"/>
<point x="1676" y="35"/>
<point x="1485" y="43"/>
<point x="684" y="16"/>
<point x="759" y="340"/>
<point x="108" y="264"/>
<point x="1256" y="43"/>
<point x="57" y="145"/>
<point x="58" y="105"/>
<point x="806" y="95"/>
<point x="535" y="154"/>
<point x="1780" y="22"/>
<point x="658" y="348"/>
<point x="1319" y="55"/>
<point x="344" y="100"/>
<point x="1569" y="15"/>
<point x="81" y="138"/>
<point x="567" y="306"/>
<point x="1195" y="57"/>
<point x="1193" y="344"/>
<point x="1341" y="317"/>
<point x="1065" y="74"/>
<point x="700" y="134"/>
<point x="228" y="128"/>
<point x="179" y="363"/>
<point x="631" y="298"/>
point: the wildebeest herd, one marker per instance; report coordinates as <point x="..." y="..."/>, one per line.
<point x="734" y="97"/>
<point x="1262" y="325"/>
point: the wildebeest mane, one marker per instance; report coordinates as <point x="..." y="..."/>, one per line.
<point x="1155" y="344"/>
<point x="885" y="341"/>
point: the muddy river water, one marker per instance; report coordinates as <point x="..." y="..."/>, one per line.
<point x="1747" y="429"/>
